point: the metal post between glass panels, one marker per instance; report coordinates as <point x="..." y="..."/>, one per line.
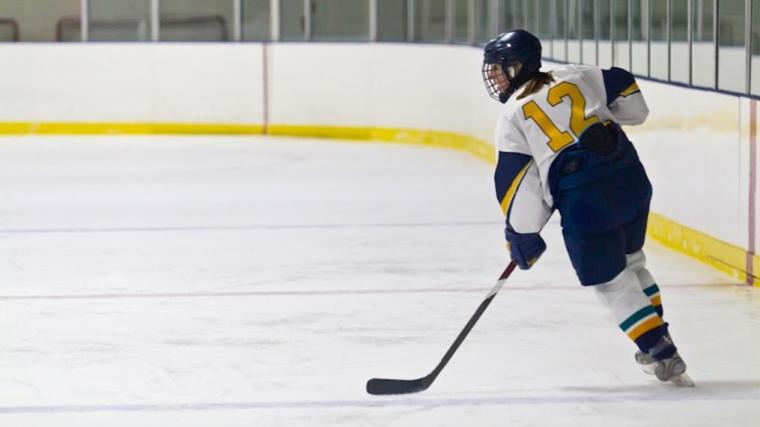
<point x="690" y="37"/>
<point x="373" y="20"/>
<point x="715" y="41"/>
<point x="237" y="18"/>
<point x="274" y="20"/>
<point x="613" y="35"/>
<point x="410" y="6"/>
<point x="307" y="20"/>
<point x="84" y="19"/>
<point x="669" y="32"/>
<point x="597" y="27"/>
<point x="552" y="27"/>
<point x="649" y="37"/>
<point x="449" y="31"/>
<point x="155" y="21"/>
<point x="630" y="35"/>
<point x="580" y="29"/>
<point x="748" y="43"/>
<point x="471" y="21"/>
<point x="567" y="31"/>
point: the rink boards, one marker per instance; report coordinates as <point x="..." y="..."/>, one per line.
<point x="699" y="147"/>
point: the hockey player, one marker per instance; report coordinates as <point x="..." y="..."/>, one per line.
<point x="560" y="146"/>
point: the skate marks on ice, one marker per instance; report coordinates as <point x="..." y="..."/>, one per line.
<point x="707" y="391"/>
<point x="720" y="389"/>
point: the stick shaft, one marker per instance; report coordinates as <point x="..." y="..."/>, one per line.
<point x="474" y="319"/>
<point x="380" y="386"/>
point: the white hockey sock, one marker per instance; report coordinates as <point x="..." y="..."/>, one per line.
<point x="636" y="262"/>
<point x="631" y="308"/>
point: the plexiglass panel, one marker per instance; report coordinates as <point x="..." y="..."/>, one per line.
<point x="604" y="27"/>
<point x="196" y="20"/>
<point x="429" y="20"/>
<point x="621" y="49"/>
<point x="40" y="20"/>
<point x="639" y="37"/>
<point x="588" y="31"/>
<point x="703" y="44"/>
<point x="573" y="31"/>
<point x="341" y="20"/>
<point x="461" y="21"/>
<point x="659" y="39"/>
<point x="544" y="25"/>
<point x="292" y="20"/>
<point x="257" y="17"/>
<point x="679" y="41"/>
<point x="483" y="14"/>
<point x="559" y="17"/>
<point x="512" y="15"/>
<point x="731" y="54"/>
<point x="391" y="20"/>
<point x="119" y="20"/>
<point x="756" y="47"/>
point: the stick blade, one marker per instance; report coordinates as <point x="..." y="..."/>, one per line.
<point x="383" y="386"/>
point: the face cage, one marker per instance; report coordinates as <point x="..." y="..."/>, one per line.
<point x="494" y="79"/>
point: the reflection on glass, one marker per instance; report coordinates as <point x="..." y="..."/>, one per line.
<point x="620" y="34"/>
<point x="731" y="54"/>
<point x="119" y="20"/>
<point x="659" y="40"/>
<point x="430" y="20"/>
<point x="183" y="20"/>
<point x="40" y="20"/>
<point x="256" y="20"/>
<point x="9" y="31"/>
<point x="333" y="20"/>
<point x="391" y="20"/>
<point x="639" y="36"/>
<point x="292" y="20"/>
<point x="679" y="41"/>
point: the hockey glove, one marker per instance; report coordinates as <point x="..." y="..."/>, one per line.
<point x="525" y="249"/>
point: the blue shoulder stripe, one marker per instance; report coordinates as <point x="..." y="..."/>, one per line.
<point x="618" y="82"/>
<point x="510" y="169"/>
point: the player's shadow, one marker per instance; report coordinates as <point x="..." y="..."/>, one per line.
<point x="712" y="387"/>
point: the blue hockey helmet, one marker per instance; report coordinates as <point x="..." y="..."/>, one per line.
<point x="509" y="60"/>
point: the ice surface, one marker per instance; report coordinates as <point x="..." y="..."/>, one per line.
<point x="251" y="281"/>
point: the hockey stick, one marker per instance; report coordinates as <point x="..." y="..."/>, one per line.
<point x="392" y="386"/>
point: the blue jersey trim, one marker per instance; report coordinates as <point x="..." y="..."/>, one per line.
<point x="616" y="81"/>
<point x="508" y="167"/>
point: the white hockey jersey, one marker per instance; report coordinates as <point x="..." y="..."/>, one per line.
<point x="531" y="132"/>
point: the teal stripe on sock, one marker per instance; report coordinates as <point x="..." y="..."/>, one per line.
<point x="651" y="290"/>
<point x="644" y="312"/>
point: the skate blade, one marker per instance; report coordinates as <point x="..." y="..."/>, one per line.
<point x="682" y="380"/>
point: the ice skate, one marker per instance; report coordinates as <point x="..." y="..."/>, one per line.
<point x="672" y="369"/>
<point x="646" y="362"/>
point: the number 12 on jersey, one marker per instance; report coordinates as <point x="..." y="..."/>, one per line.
<point x="559" y="139"/>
